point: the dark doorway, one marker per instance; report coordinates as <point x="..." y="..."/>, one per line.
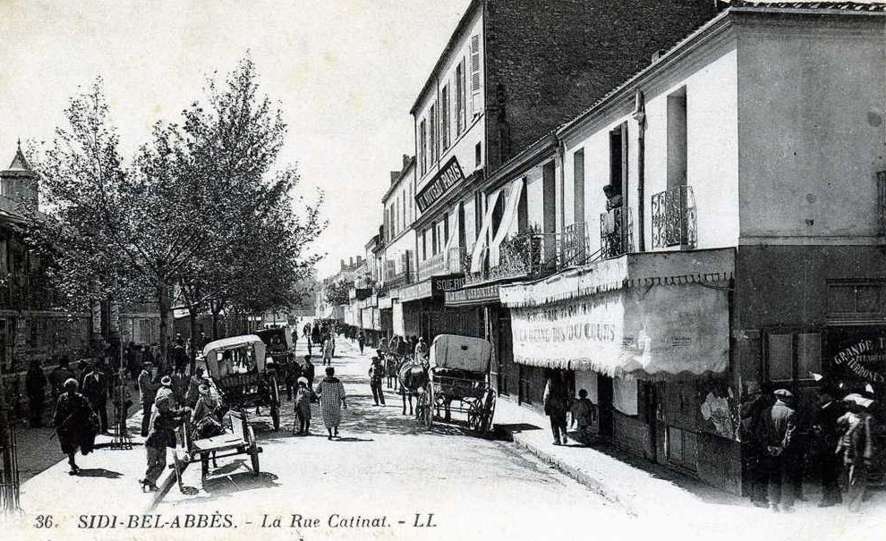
<point x="604" y="396"/>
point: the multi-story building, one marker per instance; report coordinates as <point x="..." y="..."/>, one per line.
<point x="716" y="220"/>
<point x="510" y="73"/>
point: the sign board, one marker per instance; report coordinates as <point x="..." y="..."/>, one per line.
<point x="472" y="295"/>
<point x="448" y="176"/>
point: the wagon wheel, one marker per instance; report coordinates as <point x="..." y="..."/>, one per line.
<point x="475" y="416"/>
<point x="275" y="403"/>
<point x="253" y="453"/>
<point x="488" y="411"/>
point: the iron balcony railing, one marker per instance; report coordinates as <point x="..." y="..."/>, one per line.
<point x="616" y="233"/>
<point x="673" y="218"/>
<point x="532" y="254"/>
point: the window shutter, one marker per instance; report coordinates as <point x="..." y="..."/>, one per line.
<point x="475" y="74"/>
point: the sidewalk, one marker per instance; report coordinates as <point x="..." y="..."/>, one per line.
<point x="647" y="490"/>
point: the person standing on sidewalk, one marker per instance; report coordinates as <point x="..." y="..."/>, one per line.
<point x="777" y="426"/>
<point x="328" y="347"/>
<point x="74" y="423"/>
<point x="753" y="448"/>
<point x="825" y="430"/>
<point x="59" y="375"/>
<point x="148" y="390"/>
<point x="332" y="400"/>
<point x="584" y="414"/>
<point x="376" y="374"/>
<point x="161" y="436"/>
<point x="303" y="407"/>
<point x="556" y="404"/>
<point x="35" y="386"/>
<point x="361" y="341"/>
<point x="856" y="448"/>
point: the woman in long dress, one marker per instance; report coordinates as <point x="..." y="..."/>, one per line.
<point x="332" y="399"/>
<point x="74" y="424"/>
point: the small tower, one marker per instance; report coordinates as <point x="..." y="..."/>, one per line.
<point x="18" y="183"/>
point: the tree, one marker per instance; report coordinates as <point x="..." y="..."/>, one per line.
<point x="339" y="292"/>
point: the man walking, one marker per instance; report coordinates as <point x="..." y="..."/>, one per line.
<point x="376" y="374"/>
<point x="162" y="434"/>
<point x="361" y="341"/>
<point x="148" y="391"/>
<point x="556" y="405"/>
<point x="777" y="426"/>
<point x="95" y="389"/>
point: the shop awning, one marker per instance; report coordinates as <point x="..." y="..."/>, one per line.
<point x="510" y="213"/>
<point x="642" y="314"/>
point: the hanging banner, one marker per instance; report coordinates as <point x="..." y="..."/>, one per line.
<point x="659" y="329"/>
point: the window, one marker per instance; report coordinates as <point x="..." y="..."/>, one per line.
<point x="432" y="120"/>
<point x="424" y="245"/>
<point x="422" y="146"/>
<point x="578" y="186"/>
<point x="444" y="118"/>
<point x="434" y="238"/>
<point x="475" y="75"/>
<point x="860" y="301"/>
<point x="460" y="98"/>
<point x="676" y="133"/>
<point x="478" y="155"/>
<point x="792" y="355"/>
<point x="404" y="206"/>
<point x="617" y="157"/>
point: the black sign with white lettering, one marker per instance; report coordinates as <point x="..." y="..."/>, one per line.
<point x="448" y="176"/>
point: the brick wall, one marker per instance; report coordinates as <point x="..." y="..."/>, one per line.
<point x="546" y="63"/>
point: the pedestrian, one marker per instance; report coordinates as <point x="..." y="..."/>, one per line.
<point x="35" y="387"/>
<point x="332" y="399"/>
<point x="75" y="423"/>
<point x="556" y="405"/>
<point x="95" y="389"/>
<point x="131" y="359"/>
<point x="303" y="407"/>
<point x="315" y="336"/>
<point x="753" y="447"/>
<point x="147" y="390"/>
<point x="826" y="439"/>
<point x="376" y="374"/>
<point x="777" y="426"/>
<point x="361" y="341"/>
<point x="856" y="448"/>
<point x="328" y="347"/>
<point x="292" y="371"/>
<point x="584" y="414"/>
<point x="308" y="371"/>
<point x="193" y="392"/>
<point x="59" y="375"/>
<point x="167" y="416"/>
<point x="82" y="370"/>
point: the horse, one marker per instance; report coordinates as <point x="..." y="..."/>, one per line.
<point x="413" y="377"/>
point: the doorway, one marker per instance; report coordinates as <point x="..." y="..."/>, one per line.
<point x="604" y="395"/>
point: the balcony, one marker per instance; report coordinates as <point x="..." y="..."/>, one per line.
<point x="532" y="254"/>
<point x="440" y="265"/>
<point x="673" y="218"/>
<point x="616" y="233"/>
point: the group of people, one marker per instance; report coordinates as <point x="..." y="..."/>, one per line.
<point x="558" y="405"/>
<point x="323" y="336"/>
<point x="839" y="442"/>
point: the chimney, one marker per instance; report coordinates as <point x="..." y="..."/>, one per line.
<point x="405" y="160"/>
<point x="351" y="262"/>
<point x="342" y="264"/>
<point x="395" y="175"/>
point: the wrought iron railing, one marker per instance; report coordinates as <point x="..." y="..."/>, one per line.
<point x="673" y="218"/>
<point x="616" y="233"/>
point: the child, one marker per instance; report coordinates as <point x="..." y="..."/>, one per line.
<point x="583" y="413"/>
<point x="303" y="407"/>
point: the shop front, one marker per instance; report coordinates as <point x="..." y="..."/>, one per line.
<point x="648" y="337"/>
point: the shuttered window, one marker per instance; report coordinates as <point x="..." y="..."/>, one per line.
<point x="475" y="74"/>
<point x="444" y="118"/>
<point x="432" y="120"/>
<point x="460" y="98"/>
<point x="422" y="146"/>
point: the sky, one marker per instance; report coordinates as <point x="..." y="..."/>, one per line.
<point x="345" y="73"/>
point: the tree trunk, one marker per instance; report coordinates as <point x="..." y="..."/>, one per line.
<point x="192" y="316"/>
<point x="163" y="303"/>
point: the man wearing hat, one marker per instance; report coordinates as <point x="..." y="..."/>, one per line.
<point x="147" y="390"/>
<point x="856" y="448"/>
<point x="303" y="407"/>
<point x="753" y="450"/>
<point x="206" y="418"/>
<point x="376" y="374"/>
<point x="826" y="436"/>
<point x="308" y="371"/>
<point x="776" y="427"/>
<point x="166" y="417"/>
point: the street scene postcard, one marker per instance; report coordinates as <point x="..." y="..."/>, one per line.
<point x="442" y="270"/>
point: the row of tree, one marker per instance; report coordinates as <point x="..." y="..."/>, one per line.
<point x="202" y="216"/>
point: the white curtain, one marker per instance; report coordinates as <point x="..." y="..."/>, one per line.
<point x="511" y="203"/>
<point x="452" y="241"/>
<point x="480" y="245"/>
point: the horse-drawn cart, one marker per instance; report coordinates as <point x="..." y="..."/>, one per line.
<point x="237" y="439"/>
<point x="458" y="371"/>
<point x="237" y="367"/>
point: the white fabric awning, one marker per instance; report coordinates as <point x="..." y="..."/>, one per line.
<point x="511" y="203"/>
<point x="480" y="245"/>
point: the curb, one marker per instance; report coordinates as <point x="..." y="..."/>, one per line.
<point x="591" y="482"/>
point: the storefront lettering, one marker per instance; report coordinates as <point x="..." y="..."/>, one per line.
<point x="596" y="332"/>
<point x="866" y="351"/>
<point x="449" y="176"/>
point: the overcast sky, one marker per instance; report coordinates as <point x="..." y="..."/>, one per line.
<point x="345" y="71"/>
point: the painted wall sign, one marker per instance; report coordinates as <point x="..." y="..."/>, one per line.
<point x="854" y="357"/>
<point x="472" y="295"/>
<point x="448" y="176"/>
